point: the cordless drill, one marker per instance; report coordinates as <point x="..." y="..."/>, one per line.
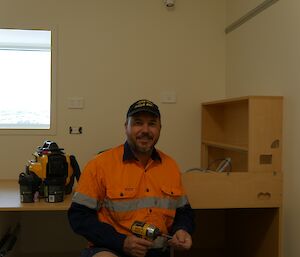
<point x="146" y="231"/>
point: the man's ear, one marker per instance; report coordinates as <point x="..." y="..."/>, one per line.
<point x="126" y="123"/>
<point x="160" y="124"/>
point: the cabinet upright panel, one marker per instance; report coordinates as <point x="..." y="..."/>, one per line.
<point x="265" y="134"/>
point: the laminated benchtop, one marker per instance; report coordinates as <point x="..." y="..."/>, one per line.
<point x="10" y="200"/>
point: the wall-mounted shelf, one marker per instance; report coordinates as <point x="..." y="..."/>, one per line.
<point x="246" y="129"/>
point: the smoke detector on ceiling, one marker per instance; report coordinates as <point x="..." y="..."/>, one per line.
<point x="169" y="3"/>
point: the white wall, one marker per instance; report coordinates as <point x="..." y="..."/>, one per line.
<point x="263" y="59"/>
<point x="112" y="53"/>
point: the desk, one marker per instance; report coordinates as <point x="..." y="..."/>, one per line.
<point x="232" y="220"/>
<point x="10" y="200"/>
<point x="220" y="232"/>
<point x="45" y="230"/>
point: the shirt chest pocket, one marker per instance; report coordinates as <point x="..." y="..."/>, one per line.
<point x="121" y="203"/>
<point x="172" y="197"/>
<point x="171" y="191"/>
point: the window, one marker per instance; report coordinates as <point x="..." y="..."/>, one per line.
<point x="25" y="79"/>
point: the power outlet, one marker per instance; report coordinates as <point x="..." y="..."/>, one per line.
<point x="75" y="130"/>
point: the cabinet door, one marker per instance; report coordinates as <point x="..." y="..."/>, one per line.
<point x="233" y="190"/>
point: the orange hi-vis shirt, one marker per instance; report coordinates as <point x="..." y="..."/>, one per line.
<point x="122" y="191"/>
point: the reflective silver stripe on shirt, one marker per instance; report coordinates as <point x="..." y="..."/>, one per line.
<point x="147" y="202"/>
<point x="85" y="200"/>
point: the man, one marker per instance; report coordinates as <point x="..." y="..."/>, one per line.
<point x="132" y="182"/>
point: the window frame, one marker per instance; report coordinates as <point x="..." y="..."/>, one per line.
<point x="54" y="61"/>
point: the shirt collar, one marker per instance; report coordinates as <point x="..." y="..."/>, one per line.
<point x="129" y="155"/>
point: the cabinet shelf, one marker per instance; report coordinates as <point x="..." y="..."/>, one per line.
<point x="232" y="147"/>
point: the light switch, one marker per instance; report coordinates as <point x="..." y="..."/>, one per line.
<point x="75" y="103"/>
<point x="168" y="97"/>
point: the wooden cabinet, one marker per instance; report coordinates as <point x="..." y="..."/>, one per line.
<point x="238" y="211"/>
<point x="246" y="129"/>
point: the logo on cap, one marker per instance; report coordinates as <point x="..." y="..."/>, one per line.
<point x="143" y="106"/>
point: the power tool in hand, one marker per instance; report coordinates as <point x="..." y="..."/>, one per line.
<point x="147" y="231"/>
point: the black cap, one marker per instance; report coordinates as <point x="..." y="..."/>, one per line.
<point x="143" y="106"/>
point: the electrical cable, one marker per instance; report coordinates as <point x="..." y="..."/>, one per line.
<point x="223" y="164"/>
<point x="9" y="240"/>
<point x="195" y="169"/>
<point x="220" y="167"/>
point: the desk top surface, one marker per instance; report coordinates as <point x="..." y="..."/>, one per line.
<point x="10" y="200"/>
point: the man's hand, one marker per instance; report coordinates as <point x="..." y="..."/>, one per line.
<point x="135" y="246"/>
<point x="181" y="240"/>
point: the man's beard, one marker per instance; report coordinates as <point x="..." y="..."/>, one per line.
<point x="143" y="149"/>
<point x="140" y="148"/>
